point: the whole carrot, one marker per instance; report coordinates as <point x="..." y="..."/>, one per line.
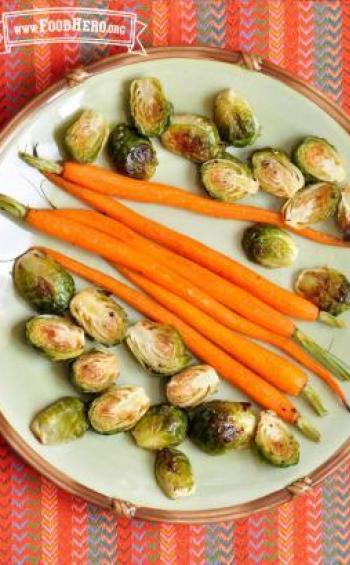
<point x="274" y="369"/>
<point x="279" y="298"/>
<point x="251" y="384"/>
<point x="111" y="183"/>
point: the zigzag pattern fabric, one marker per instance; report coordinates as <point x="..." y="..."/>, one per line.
<point x="39" y="523"/>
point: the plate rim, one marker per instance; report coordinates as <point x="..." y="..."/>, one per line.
<point x="64" y="481"/>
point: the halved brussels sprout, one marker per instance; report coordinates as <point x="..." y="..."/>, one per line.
<point x="227" y="178"/>
<point x="56" y="337"/>
<point x="219" y="426"/>
<point x="319" y="160"/>
<point x="158" y="347"/>
<point x="269" y="246"/>
<point x="43" y="282"/>
<point x="235" y="119"/>
<point x="162" y="426"/>
<point x="315" y="203"/>
<point x="131" y="153"/>
<point x="95" y="371"/>
<point x="275" y="442"/>
<point x="327" y="288"/>
<point x="192" y="136"/>
<point x="118" y="409"/>
<point x="276" y="173"/>
<point x="192" y="386"/>
<point x="174" y="473"/>
<point x="343" y="215"/>
<point x="103" y="319"/>
<point x="150" y="110"/>
<point x="63" y="420"/>
<point x="87" y="136"/>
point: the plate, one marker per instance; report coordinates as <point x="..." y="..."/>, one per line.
<point x="110" y="470"/>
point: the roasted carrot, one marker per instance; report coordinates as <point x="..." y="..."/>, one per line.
<point x="225" y="292"/>
<point x="279" y="298"/>
<point x="251" y="384"/>
<point x="108" y="182"/>
<point x="274" y="369"/>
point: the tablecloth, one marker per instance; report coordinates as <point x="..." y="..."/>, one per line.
<point x="39" y="523"/>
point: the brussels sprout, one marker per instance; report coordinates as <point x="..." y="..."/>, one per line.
<point x="43" y="282"/>
<point x="95" y="371"/>
<point x="343" y="214"/>
<point x="118" y="409"/>
<point x="228" y="179"/>
<point x="327" y="288"/>
<point x="131" y="153"/>
<point x="269" y="246"/>
<point x="192" y="386"/>
<point x="275" y="442"/>
<point x="219" y="426"/>
<point x="235" y="119"/>
<point x="150" y="110"/>
<point x="315" y="203"/>
<point x="276" y="173"/>
<point x="173" y="473"/>
<point x="62" y="421"/>
<point x="87" y="136"/>
<point x="162" y="426"/>
<point x="103" y="319"/>
<point x="192" y="136"/>
<point x="56" y="337"/>
<point x="158" y="347"/>
<point x="319" y="160"/>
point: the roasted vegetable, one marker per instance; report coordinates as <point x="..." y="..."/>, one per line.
<point x="269" y="246"/>
<point x="219" y="426"/>
<point x="192" y="136"/>
<point x="43" y="282"/>
<point x="62" y="421"/>
<point x="275" y="442"/>
<point x="313" y="204"/>
<point x="319" y="160"/>
<point x="162" y="426"/>
<point x="275" y="173"/>
<point x="118" y="409"/>
<point x="228" y="179"/>
<point x="87" y="136"/>
<point x="173" y="472"/>
<point x="95" y="371"/>
<point x="343" y="214"/>
<point x="192" y="386"/>
<point x="235" y="119"/>
<point x="131" y="153"/>
<point x="56" y="337"/>
<point x="150" y="110"/>
<point x="327" y="288"/>
<point x="158" y="347"/>
<point x="103" y="319"/>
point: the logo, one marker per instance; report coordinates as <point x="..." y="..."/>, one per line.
<point x="70" y="25"/>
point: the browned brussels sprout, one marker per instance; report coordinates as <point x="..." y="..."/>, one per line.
<point x="162" y="426"/>
<point x="56" y="337"/>
<point x="275" y="442"/>
<point x="87" y="136"/>
<point x="319" y="160"/>
<point x="131" y="153"/>
<point x="43" y="282"/>
<point x="315" y="203"/>
<point x="227" y="178"/>
<point x="275" y="173"/>
<point x="95" y="371"/>
<point x="192" y="136"/>
<point x="174" y="473"/>
<point x="269" y="246"/>
<point x="235" y="119"/>
<point x="327" y="288"/>
<point x="192" y="386"/>
<point x="103" y="319"/>
<point x="150" y="110"/>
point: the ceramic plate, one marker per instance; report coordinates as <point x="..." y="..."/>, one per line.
<point x="107" y="469"/>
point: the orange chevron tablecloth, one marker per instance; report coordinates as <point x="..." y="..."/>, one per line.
<point x="39" y="523"/>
